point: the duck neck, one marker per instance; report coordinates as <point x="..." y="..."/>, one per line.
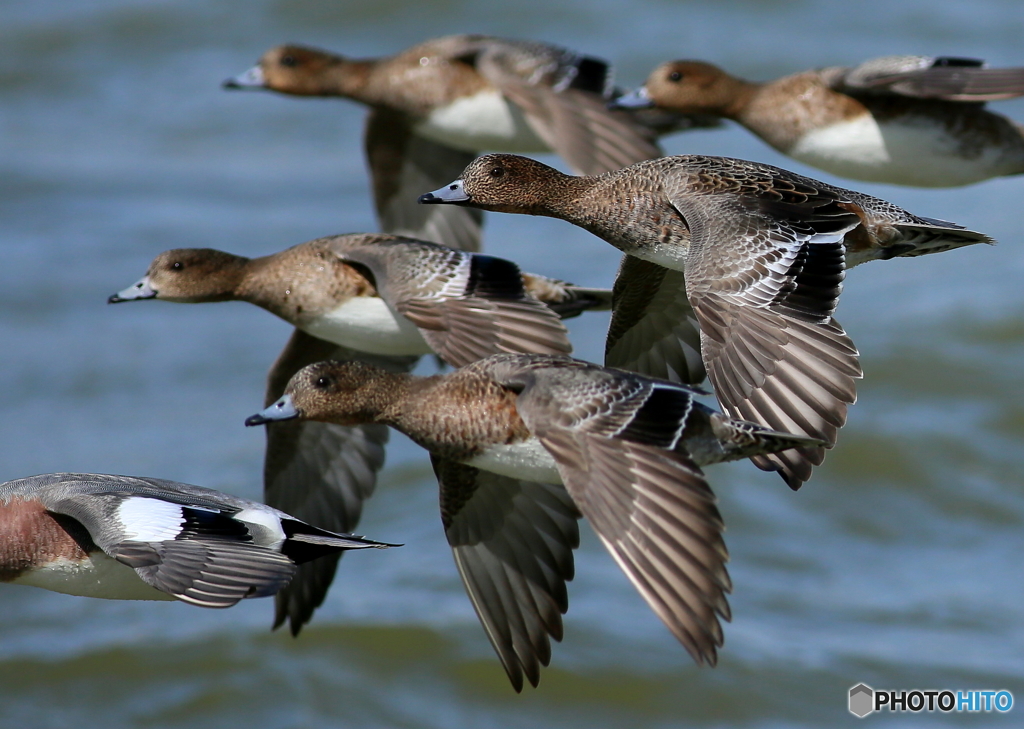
<point x="739" y="95"/>
<point x="384" y="399"/>
<point x="562" y="197"/>
<point x="347" y="77"/>
<point x="613" y="207"/>
<point x="241" y="276"/>
<point x="405" y="402"/>
<point x="454" y="416"/>
<point x="224" y="283"/>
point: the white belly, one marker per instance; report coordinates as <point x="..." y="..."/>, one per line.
<point x="96" y="576"/>
<point x="528" y="460"/>
<point x="906" y="152"/>
<point x="367" y="324"/>
<point x="484" y="122"/>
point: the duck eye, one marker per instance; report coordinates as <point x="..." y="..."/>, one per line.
<point x="177" y="265"/>
<point x="497" y="172"/>
<point x="675" y="76"/>
<point x="288" y="61"/>
<point x="323" y="382"/>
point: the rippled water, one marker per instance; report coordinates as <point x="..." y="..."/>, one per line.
<point x="897" y="565"/>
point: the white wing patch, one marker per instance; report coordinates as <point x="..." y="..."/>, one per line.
<point x="264" y="526"/>
<point x="150" y="520"/>
<point x="455" y="286"/>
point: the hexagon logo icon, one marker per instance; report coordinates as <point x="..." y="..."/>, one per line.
<point x="862" y="700"/>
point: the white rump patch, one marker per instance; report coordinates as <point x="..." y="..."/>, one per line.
<point x="150" y="520"/>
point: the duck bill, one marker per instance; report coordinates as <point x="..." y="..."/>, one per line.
<point x="139" y="290"/>
<point x="452" y="194"/>
<point x="251" y="79"/>
<point x="636" y="99"/>
<point x="283" y="409"/>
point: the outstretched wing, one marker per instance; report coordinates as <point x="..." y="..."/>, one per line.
<point x="512" y="541"/>
<point x="653" y="329"/>
<point x="403" y="165"/>
<point x="177" y="538"/>
<point x="650" y="505"/>
<point x="564" y="96"/>
<point x="934" y="77"/>
<point x="319" y="472"/>
<point x="764" y="276"/>
<point x="467" y="306"/>
<point x="210" y="573"/>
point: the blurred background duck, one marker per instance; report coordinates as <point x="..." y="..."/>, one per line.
<point x="437" y="105"/>
<point x="906" y="120"/>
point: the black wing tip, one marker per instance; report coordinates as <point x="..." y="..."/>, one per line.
<point x="298" y="601"/>
<point x="957" y="62"/>
<point x="704" y="652"/>
<point x="518" y="673"/>
<point x="517" y="683"/>
<point x="291" y="611"/>
<point x="792" y="479"/>
<point x="295" y="622"/>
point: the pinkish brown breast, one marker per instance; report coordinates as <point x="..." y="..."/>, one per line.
<point x="30" y="537"/>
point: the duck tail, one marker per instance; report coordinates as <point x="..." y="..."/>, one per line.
<point x="933" y="236"/>
<point x="747" y="439"/>
<point x="306" y="542"/>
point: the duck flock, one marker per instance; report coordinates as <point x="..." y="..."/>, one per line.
<point x="731" y="271"/>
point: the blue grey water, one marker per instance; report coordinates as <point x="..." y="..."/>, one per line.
<point x="898" y="565"/>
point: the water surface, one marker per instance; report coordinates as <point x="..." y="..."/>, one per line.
<point x="898" y="565"/>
